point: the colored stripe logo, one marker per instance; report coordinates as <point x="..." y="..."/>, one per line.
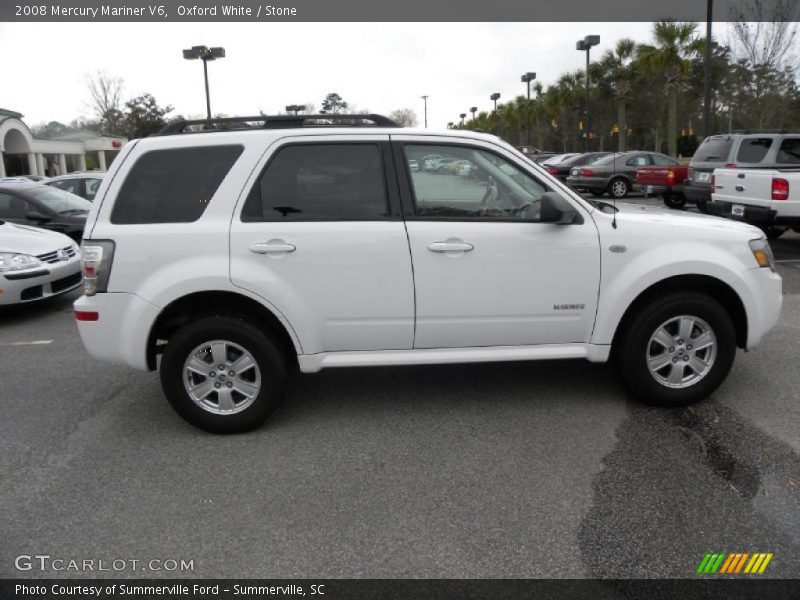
<point x="734" y="563"/>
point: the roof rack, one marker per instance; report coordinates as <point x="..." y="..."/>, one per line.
<point x="276" y="122"/>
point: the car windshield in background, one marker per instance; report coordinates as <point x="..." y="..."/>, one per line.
<point x="713" y="149"/>
<point x="61" y="202"/>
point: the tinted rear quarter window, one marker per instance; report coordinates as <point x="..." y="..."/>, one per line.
<point x="753" y="150"/>
<point x="789" y="152"/>
<point x="713" y="150"/>
<point x="320" y="182"/>
<point x="174" y="185"/>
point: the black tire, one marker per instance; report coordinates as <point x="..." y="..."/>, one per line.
<point x="674" y="201"/>
<point x="773" y="232"/>
<point x="618" y="188"/>
<point x="270" y="362"/>
<point x="702" y="206"/>
<point x="635" y="347"/>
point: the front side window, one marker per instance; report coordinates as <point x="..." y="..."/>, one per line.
<point x="12" y="207"/>
<point x="474" y="184"/>
<point x="92" y="186"/>
<point x="68" y="185"/>
<point x="753" y="150"/>
<point x="174" y="185"/>
<point x="320" y="182"/>
<point x="789" y="152"/>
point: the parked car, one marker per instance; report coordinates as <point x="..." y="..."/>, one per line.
<point x="430" y="162"/>
<point x="36" y="264"/>
<point x="613" y="174"/>
<point x="558" y="159"/>
<point x="413" y="166"/>
<point x="43" y="206"/>
<point x="736" y="150"/>
<point x="664" y="178"/>
<point x="543" y="157"/>
<point x="81" y="183"/>
<point x="299" y="254"/>
<point x="563" y="167"/>
<point x="767" y="198"/>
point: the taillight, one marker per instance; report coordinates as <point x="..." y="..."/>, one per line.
<point x="96" y="259"/>
<point x="86" y="315"/>
<point x="730" y="166"/>
<point x="587" y="172"/>
<point x="670" y="177"/>
<point x="780" y="189"/>
<point x="552" y="170"/>
<point x="713" y="180"/>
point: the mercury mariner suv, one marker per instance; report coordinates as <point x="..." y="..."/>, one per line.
<point x="228" y="252"/>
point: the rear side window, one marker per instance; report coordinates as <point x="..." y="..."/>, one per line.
<point x="753" y="150"/>
<point x="68" y="185"/>
<point x="320" y="182"/>
<point x="664" y="161"/>
<point x="789" y="152"/>
<point x="172" y="186"/>
<point x="713" y="150"/>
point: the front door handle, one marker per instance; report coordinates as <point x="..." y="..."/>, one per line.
<point x="272" y="247"/>
<point x="450" y="246"/>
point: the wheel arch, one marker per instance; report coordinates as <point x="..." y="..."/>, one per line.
<point x="713" y="287"/>
<point x="190" y="307"/>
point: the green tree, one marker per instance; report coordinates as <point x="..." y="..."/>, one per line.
<point x="675" y="44"/>
<point x="617" y="64"/>
<point x="405" y="117"/>
<point x="333" y="103"/>
<point x="143" y="116"/>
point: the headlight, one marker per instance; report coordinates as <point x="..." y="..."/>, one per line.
<point x="762" y="253"/>
<point x="12" y="261"/>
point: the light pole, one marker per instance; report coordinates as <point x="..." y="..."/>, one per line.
<point x="425" y="100"/>
<point x="495" y="97"/>
<point x="707" y="71"/>
<point x="462" y="115"/>
<point x="586" y="44"/>
<point x="295" y="108"/>
<point x="527" y="78"/>
<point x="205" y="54"/>
<point x="473" y="110"/>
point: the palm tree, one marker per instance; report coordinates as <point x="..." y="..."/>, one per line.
<point x="675" y="43"/>
<point x="617" y="63"/>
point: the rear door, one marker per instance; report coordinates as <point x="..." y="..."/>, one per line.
<point x="486" y="272"/>
<point x="319" y="234"/>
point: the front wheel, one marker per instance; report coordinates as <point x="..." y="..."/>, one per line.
<point x="619" y="188"/>
<point x="678" y="349"/>
<point x="223" y="375"/>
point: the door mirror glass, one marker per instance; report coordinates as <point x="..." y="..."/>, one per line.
<point x="555" y="209"/>
<point x="36" y="216"/>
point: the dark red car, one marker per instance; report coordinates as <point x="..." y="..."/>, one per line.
<point x="665" y="179"/>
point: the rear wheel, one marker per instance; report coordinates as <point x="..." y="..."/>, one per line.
<point x="702" y="206"/>
<point x="678" y="349"/>
<point x="223" y="375"/>
<point x="676" y="201"/>
<point x="619" y="188"/>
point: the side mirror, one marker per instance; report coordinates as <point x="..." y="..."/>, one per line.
<point x="555" y="209"/>
<point x="37" y="216"/>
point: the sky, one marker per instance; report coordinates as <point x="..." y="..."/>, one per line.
<point x="376" y="66"/>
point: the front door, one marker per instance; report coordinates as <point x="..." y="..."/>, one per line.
<point x="486" y="272"/>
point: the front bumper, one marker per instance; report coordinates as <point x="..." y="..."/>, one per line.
<point x="697" y="193"/>
<point x="593" y="184"/>
<point x="121" y="331"/>
<point x="45" y="281"/>
<point x="766" y="288"/>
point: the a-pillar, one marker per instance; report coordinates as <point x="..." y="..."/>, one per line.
<point x="32" y="164"/>
<point x="81" y="162"/>
<point x="101" y="158"/>
<point x="62" y="164"/>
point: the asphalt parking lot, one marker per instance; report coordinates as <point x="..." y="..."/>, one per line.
<point x="500" y="470"/>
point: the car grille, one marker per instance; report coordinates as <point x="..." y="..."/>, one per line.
<point x="52" y="257"/>
<point x="65" y="283"/>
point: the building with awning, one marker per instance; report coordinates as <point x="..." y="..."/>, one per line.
<point x="22" y="154"/>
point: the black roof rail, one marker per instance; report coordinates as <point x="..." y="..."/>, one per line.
<point x="277" y="122"/>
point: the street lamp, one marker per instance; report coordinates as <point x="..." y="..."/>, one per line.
<point x="473" y="110"/>
<point x="462" y="115"/>
<point x="205" y="54"/>
<point x="527" y="78"/>
<point x="495" y="97"/>
<point x="425" y="99"/>
<point x="295" y="108"/>
<point x="586" y="44"/>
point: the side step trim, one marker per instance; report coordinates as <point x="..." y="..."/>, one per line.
<point x="311" y="363"/>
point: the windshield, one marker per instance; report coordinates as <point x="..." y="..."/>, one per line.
<point x="713" y="150"/>
<point x="61" y="202"/>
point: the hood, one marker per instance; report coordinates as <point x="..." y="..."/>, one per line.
<point x="661" y="215"/>
<point x="30" y="240"/>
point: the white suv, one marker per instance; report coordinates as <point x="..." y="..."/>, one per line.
<point x="270" y="243"/>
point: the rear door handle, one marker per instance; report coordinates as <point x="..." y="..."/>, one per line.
<point x="272" y="247"/>
<point x="450" y="247"/>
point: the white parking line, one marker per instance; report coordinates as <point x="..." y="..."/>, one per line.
<point x="788" y="260"/>
<point x="33" y="343"/>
